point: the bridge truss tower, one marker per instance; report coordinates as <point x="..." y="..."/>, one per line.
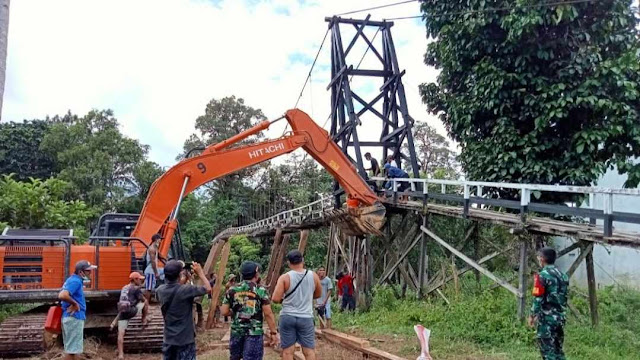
<point x="361" y="122"/>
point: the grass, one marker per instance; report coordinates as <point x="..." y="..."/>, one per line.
<point x="484" y="326"/>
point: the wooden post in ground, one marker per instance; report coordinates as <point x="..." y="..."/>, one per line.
<point x="278" y="262"/>
<point x="215" y="293"/>
<point x="330" y="247"/>
<point x="522" y="279"/>
<point x="275" y="249"/>
<point x="476" y="251"/>
<point x="591" y="283"/>
<point x="304" y="235"/>
<point x="422" y="265"/>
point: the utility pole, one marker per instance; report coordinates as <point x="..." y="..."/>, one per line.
<point x="4" y="39"/>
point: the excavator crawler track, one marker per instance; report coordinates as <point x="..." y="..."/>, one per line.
<point x="145" y="339"/>
<point x="22" y="336"/>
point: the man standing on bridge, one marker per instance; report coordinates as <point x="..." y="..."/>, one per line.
<point x="548" y="313"/>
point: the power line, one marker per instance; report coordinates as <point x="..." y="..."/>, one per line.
<point x="377" y="7"/>
<point x="557" y="3"/>
<point x="308" y="76"/>
<point x="312" y="66"/>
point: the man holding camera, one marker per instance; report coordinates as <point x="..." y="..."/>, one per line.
<point x="177" y="310"/>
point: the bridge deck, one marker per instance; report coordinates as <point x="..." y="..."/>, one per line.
<point x="311" y="216"/>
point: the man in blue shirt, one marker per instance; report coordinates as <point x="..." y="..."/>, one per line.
<point x="394" y="173"/>
<point x="74" y="308"/>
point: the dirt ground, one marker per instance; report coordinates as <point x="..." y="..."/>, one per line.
<point x="100" y="348"/>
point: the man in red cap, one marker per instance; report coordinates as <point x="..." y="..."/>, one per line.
<point x="132" y="302"/>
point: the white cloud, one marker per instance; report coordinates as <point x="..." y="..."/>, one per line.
<point x="157" y="63"/>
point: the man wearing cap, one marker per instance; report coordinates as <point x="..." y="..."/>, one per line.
<point x="296" y="290"/>
<point x="74" y="308"/>
<point x="248" y="305"/>
<point x="177" y="310"/>
<point x="132" y="302"/>
<point x="548" y="312"/>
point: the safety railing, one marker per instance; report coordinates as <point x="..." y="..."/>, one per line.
<point x="312" y="210"/>
<point x="525" y="205"/>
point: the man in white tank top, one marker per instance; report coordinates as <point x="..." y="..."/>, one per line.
<point x="296" y="290"/>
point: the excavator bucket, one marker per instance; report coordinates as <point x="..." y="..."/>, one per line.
<point x="361" y="221"/>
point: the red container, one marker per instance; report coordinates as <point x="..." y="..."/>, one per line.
<point x="53" y="324"/>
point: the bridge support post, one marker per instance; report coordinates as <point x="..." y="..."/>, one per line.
<point x="277" y="262"/>
<point x="215" y="292"/>
<point x="522" y="279"/>
<point x="591" y="283"/>
<point x="275" y="248"/>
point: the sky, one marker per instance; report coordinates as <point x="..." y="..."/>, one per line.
<point x="158" y="63"/>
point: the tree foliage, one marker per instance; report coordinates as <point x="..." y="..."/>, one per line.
<point x="38" y="204"/>
<point x="19" y="150"/>
<point x="545" y="94"/>
<point x="221" y="120"/>
<point x="435" y="158"/>
<point x="201" y="219"/>
<point x="98" y="161"/>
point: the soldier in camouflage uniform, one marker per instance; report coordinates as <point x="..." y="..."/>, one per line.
<point x="248" y="304"/>
<point x="548" y="313"/>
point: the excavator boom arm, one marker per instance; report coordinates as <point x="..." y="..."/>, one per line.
<point x="219" y="160"/>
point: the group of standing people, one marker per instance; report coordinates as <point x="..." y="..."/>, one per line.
<point x="300" y="291"/>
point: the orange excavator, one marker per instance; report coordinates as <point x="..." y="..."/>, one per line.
<point x="35" y="263"/>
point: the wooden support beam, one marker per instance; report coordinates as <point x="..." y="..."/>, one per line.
<point x="422" y="261"/>
<point x="391" y="269"/>
<point x="302" y="244"/>
<point x="329" y="251"/>
<point x="454" y="271"/>
<point x="437" y="279"/>
<point x="474" y="264"/>
<point x="522" y="280"/>
<point x="442" y="296"/>
<point x="591" y="284"/>
<point x="584" y="251"/>
<point x="476" y="252"/>
<point x="214" y="253"/>
<point x="568" y="249"/>
<point x="215" y="292"/>
<point x="275" y="249"/>
<point x="355" y="343"/>
<point x="278" y="262"/>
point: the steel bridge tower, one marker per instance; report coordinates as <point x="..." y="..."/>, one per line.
<point x="356" y="121"/>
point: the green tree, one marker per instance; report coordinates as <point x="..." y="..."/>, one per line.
<point x="243" y="249"/>
<point x="223" y="119"/>
<point x="435" y="158"/>
<point x="537" y="93"/>
<point x="42" y="204"/>
<point x="201" y="220"/>
<point x="95" y="157"/>
<point x="19" y="150"/>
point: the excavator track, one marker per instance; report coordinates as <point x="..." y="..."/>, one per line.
<point x="145" y="339"/>
<point x="22" y="336"/>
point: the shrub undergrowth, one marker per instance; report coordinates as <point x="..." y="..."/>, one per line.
<point x="486" y="322"/>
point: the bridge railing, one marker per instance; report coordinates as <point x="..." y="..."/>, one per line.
<point x="525" y="205"/>
<point x="312" y="210"/>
